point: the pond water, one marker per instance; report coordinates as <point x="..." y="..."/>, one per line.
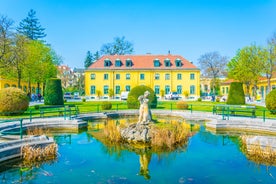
<point x="207" y="158"/>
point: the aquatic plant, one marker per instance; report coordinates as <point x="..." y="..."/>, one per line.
<point x="36" y="131"/>
<point x="170" y="136"/>
<point x="258" y="153"/>
<point x="112" y="132"/>
<point x="35" y="155"/>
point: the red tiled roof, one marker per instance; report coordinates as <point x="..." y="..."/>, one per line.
<point x="142" y="62"/>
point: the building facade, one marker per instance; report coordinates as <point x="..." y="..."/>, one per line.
<point x="262" y="87"/>
<point x="5" y="83"/>
<point x="162" y="73"/>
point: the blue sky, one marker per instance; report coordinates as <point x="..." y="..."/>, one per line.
<point x="186" y="27"/>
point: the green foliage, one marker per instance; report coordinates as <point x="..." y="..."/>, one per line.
<point x="53" y="92"/>
<point x="88" y="60"/>
<point x="182" y="105"/>
<point x="270" y="101"/>
<point x="248" y="65"/>
<point x="132" y="100"/>
<point x="236" y="94"/>
<point x="106" y="105"/>
<point x="199" y="99"/>
<point x="83" y="100"/>
<point x="13" y="101"/>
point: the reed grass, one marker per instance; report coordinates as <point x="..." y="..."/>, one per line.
<point x="112" y="132"/>
<point x="259" y="154"/>
<point x="170" y="136"/>
<point x="37" y="131"/>
<point x="35" y="155"/>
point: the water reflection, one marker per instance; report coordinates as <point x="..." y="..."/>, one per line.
<point x="143" y="150"/>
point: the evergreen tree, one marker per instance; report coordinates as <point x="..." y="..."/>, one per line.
<point x="30" y="27"/>
<point x="88" y="60"/>
<point x="96" y="56"/>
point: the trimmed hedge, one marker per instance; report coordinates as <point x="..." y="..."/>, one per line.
<point x="13" y="101"/>
<point x="106" y="105"/>
<point x="132" y="99"/>
<point x="182" y="105"/>
<point x="236" y="94"/>
<point x="53" y="92"/>
<point x="270" y="101"/>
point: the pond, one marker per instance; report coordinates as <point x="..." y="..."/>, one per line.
<point x="207" y="158"/>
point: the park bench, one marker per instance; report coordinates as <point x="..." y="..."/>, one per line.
<point x="59" y="110"/>
<point x="235" y="110"/>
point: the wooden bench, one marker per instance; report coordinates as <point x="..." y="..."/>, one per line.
<point x="235" y="110"/>
<point x="59" y="110"/>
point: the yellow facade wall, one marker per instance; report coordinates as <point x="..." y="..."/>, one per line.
<point x="261" y="89"/>
<point x="149" y="80"/>
<point x="4" y="83"/>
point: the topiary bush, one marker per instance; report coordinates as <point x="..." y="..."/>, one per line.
<point x="270" y="101"/>
<point x="53" y="92"/>
<point x="132" y="99"/>
<point x="106" y="105"/>
<point x="236" y="94"/>
<point x="199" y="99"/>
<point x="182" y="105"/>
<point x="13" y="101"/>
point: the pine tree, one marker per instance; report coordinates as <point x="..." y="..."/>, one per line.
<point x="88" y="60"/>
<point x="30" y="27"/>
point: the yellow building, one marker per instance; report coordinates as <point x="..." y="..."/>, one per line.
<point x="4" y="83"/>
<point x="162" y="73"/>
<point x="262" y="87"/>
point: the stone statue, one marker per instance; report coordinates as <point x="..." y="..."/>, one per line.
<point x="144" y="111"/>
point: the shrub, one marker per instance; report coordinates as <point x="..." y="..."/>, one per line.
<point x="270" y="101"/>
<point x="106" y="105"/>
<point x="199" y="99"/>
<point x="181" y="105"/>
<point x="218" y="99"/>
<point x="83" y="100"/>
<point x="132" y="100"/>
<point x="13" y="101"/>
<point x="236" y="94"/>
<point x="53" y="92"/>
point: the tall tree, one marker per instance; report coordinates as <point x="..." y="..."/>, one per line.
<point x="88" y="60"/>
<point x="18" y="63"/>
<point x="248" y="65"/>
<point x="120" y="46"/>
<point x="213" y="65"/>
<point x="270" y="63"/>
<point x="6" y="35"/>
<point x="30" y="27"/>
<point x="39" y="65"/>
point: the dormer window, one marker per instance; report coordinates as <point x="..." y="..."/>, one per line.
<point x="156" y="63"/>
<point x="118" y="63"/>
<point x="107" y="63"/>
<point x="128" y="63"/>
<point x="178" y="63"/>
<point x="167" y="62"/>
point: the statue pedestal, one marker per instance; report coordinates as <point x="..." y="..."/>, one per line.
<point x="140" y="132"/>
